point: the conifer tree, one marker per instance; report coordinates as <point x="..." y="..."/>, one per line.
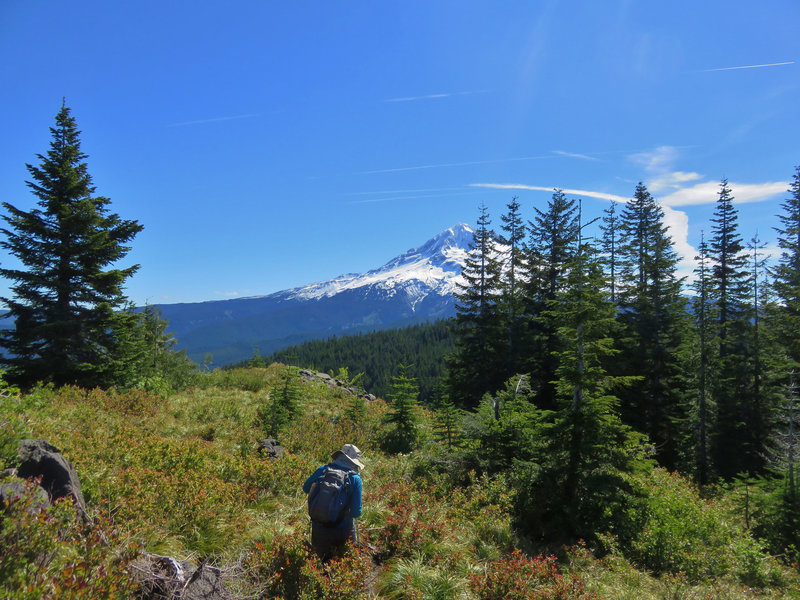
<point x="153" y="362"/>
<point x="283" y="405"/>
<point x="403" y="413"/>
<point x="581" y="487"/>
<point x="609" y="246"/>
<point x="767" y="364"/>
<point x="655" y="321"/>
<point x="475" y="367"/>
<point x="729" y="296"/>
<point x="551" y="247"/>
<point x="67" y="295"/>
<point x="787" y="271"/>
<point x="702" y="317"/>
<point x="783" y="461"/>
<point x="512" y="284"/>
<point x="447" y="419"/>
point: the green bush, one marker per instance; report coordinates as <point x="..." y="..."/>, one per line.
<point x="684" y="533"/>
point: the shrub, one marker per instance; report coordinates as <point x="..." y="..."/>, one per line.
<point x="408" y="523"/>
<point x="290" y="570"/>
<point x="517" y="577"/>
<point x="50" y="554"/>
<point x="683" y="533"/>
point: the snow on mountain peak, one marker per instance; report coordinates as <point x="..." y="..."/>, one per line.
<point x="433" y="268"/>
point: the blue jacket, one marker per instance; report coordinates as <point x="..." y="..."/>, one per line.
<point x="356" y="487"/>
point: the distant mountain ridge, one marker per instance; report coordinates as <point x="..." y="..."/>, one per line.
<point x="417" y="286"/>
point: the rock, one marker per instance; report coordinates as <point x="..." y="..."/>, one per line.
<point x="270" y="448"/>
<point x="14" y="489"/>
<point x="166" y="578"/>
<point x="336" y="383"/>
<point x="37" y="458"/>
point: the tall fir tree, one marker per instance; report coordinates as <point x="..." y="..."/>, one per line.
<point x="787" y="271"/>
<point x="767" y="363"/>
<point x="609" y="247"/>
<point x="655" y="323"/>
<point x="581" y="486"/>
<point x="512" y="285"/>
<point x="703" y="419"/>
<point x="68" y="327"/>
<point x="475" y="366"/>
<point x="731" y="316"/>
<point x="551" y="248"/>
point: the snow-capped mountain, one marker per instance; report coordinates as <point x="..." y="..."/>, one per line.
<point x="414" y="287"/>
<point x="433" y="268"/>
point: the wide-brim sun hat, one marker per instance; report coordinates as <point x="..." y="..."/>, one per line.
<point x="350" y="452"/>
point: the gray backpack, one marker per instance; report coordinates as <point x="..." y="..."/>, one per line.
<point x="329" y="497"/>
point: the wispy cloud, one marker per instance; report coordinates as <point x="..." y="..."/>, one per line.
<point x="436" y="96"/>
<point x="658" y="160"/>
<point x="574" y="155"/>
<point x="214" y="120"/>
<point x="780" y="64"/>
<point x="539" y="188"/>
<point x="411" y="197"/>
<point x="707" y="193"/>
<point x="460" y="164"/>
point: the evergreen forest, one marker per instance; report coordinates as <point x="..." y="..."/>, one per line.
<point x="590" y="425"/>
<point x="374" y="357"/>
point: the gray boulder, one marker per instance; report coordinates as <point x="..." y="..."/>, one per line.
<point x="38" y="458"/>
<point x="270" y="448"/>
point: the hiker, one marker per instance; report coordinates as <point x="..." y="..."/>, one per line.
<point x="334" y="500"/>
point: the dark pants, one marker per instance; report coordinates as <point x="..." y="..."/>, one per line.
<point x="327" y="540"/>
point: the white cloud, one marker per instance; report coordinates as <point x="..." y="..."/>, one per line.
<point x="677" y="224"/>
<point x="519" y="186"/>
<point x="708" y="191"/>
<point x="672" y="180"/>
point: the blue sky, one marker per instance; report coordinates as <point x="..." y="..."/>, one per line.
<point x="266" y="145"/>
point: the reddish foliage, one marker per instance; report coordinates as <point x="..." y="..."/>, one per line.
<point x="517" y="577"/>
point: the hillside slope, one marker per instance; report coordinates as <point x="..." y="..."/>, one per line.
<point x="181" y="476"/>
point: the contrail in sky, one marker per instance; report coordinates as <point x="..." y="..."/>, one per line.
<point x="780" y="64"/>
<point x="234" y="118"/>
<point x="434" y="96"/>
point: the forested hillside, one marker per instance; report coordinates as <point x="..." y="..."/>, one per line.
<point x="376" y="356"/>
